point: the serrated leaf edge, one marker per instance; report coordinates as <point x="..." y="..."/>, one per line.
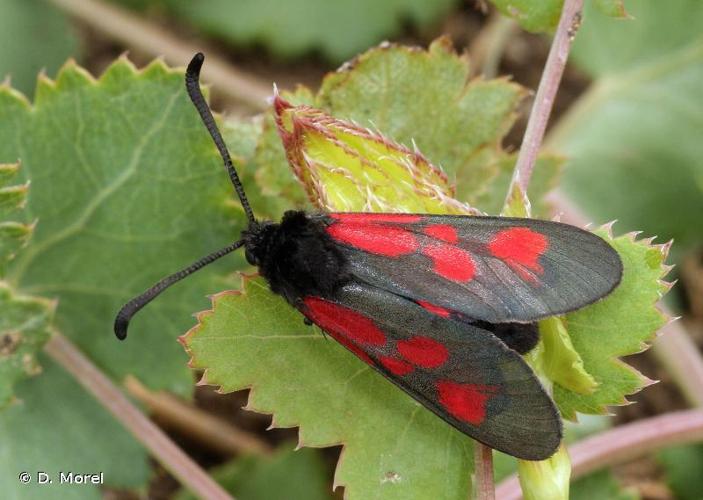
<point x="644" y="381"/>
<point x="206" y="379"/>
<point x="46" y="85"/>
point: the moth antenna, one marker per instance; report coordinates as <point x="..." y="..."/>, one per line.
<point x="193" y="88"/>
<point x="133" y="306"/>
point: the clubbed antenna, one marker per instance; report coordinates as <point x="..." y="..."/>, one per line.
<point x="193" y="87"/>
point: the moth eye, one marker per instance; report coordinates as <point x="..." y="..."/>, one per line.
<point x="251" y="258"/>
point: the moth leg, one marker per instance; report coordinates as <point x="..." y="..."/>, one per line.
<point x="309" y="322"/>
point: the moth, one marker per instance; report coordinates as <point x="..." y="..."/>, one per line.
<point x="443" y="306"/>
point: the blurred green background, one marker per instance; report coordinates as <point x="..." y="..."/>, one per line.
<point x="629" y="121"/>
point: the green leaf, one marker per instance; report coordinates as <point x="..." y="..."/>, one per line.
<point x="36" y="36"/>
<point x="126" y="187"/>
<point x="288" y="475"/>
<point x="452" y="119"/>
<point x="612" y="8"/>
<point x="309" y="381"/>
<point x="242" y="139"/>
<point x="24" y="323"/>
<point x="24" y="320"/>
<point x="57" y="426"/>
<point x="490" y="197"/>
<point x="533" y="15"/>
<point x="682" y="465"/>
<point x="542" y="16"/>
<point x="346" y="168"/>
<point x="456" y="122"/>
<point x="338" y="29"/>
<point x="652" y="30"/>
<point x="633" y="138"/>
<point x="13" y="234"/>
<point x="600" y="485"/>
<point x="559" y="360"/>
<point x="12" y="198"/>
<point x="621" y="324"/>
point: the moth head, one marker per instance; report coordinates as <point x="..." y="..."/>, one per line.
<point x="257" y="238"/>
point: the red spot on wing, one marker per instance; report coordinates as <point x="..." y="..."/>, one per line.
<point x="443" y="232"/>
<point x="465" y="402"/>
<point x="395" y="366"/>
<point x="342" y="322"/>
<point x="520" y="248"/>
<point x="375" y="238"/>
<point x="371" y="217"/>
<point x="423" y="351"/>
<point x="353" y="348"/>
<point x="439" y="311"/>
<point x="450" y="262"/>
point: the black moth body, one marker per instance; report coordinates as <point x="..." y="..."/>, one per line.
<point x="443" y="306"/>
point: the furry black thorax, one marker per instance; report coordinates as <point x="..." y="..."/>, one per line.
<point x="296" y="256"/>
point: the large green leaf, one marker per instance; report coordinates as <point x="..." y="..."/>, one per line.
<point x="56" y="426"/>
<point x="254" y="339"/>
<point x="126" y="187"/>
<point x="35" y="36"/>
<point x="338" y="29"/>
<point x="287" y="475"/>
<point x="652" y="30"/>
<point x="429" y="98"/>
<point x="633" y="138"/>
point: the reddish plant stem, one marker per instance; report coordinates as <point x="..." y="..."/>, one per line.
<point x="488" y="47"/>
<point x="164" y="450"/>
<point x="622" y="444"/>
<point x="483" y="470"/>
<point x="195" y="423"/>
<point x="546" y="92"/>
<point x="534" y="134"/>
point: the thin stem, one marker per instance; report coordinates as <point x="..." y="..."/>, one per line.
<point x="622" y="444"/>
<point x="133" y="31"/>
<point x="488" y="47"/>
<point x="673" y="348"/>
<point x="483" y="469"/>
<point x="164" y="450"/>
<point x="546" y="92"/>
<point x="214" y="432"/>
